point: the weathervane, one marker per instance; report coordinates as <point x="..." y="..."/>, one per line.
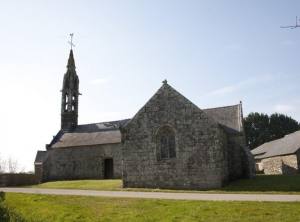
<point x="292" y="26"/>
<point x="71" y="42"/>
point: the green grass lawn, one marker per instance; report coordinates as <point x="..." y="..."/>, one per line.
<point x="83" y="184"/>
<point x="44" y="208"/>
<point x="262" y="183"/>
<point x="266" y="183"/>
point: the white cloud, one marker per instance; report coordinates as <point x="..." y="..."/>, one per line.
<point x="243" y="84"/>
<point x="283" y="108"/>
<point x="99" y="81"/>
<point x="287" y="43"/>
<point x="224" y="90"/>
<point x="234" y="47"/>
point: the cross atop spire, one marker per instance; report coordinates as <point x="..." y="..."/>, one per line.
<point x="71" y="40"/>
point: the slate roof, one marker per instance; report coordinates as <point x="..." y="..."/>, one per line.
<point x="228" y="116"/>
<point x="289" y="144"/>
<point x="90" y="134"/>
<point x="40" y="156"/>
<point x="108" y="132"/>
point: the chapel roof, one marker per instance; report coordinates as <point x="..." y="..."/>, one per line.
<point x="230" y="117"/>
<point x="289" y="144"/>
<point x="40" y="156"/>
<point x="89" y="134"/>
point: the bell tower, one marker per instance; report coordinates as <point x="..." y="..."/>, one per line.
<point x="70" y="94"/>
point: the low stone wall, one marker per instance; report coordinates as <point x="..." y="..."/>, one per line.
<point x="17" y="179"/>
<point x="281" y="165"/>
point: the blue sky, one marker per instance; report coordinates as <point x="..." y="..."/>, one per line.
<point x="216" y="53"/>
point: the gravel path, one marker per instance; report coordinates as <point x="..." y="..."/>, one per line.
<point x="159" y="195"/>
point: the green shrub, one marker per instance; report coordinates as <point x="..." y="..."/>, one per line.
<point x="7" y="214"/>
<point x="4" y="216"/>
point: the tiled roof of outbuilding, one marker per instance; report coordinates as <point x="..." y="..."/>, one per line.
<point x="289" y="144"/>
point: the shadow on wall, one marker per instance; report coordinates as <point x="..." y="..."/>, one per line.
<point x="287" y="170"/>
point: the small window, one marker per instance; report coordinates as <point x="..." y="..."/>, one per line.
<point x="73" y="108"/>
<point x="165" y="139"/>
<point x="73" y="98"/>
<point x="67" y="99"/>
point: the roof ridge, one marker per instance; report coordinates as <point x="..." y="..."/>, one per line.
<point x="276" y="140"/>
<point x="103" y="122"/>
<point x="222" y="107"/>
<point x="171" y="89"/>
<point x="297" y="131"/>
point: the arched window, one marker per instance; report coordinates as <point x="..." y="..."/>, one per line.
<point x="165" y="141"/>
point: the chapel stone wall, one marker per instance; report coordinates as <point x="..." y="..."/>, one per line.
<point x="81" y="162"/>
<point x="201" y="147"/>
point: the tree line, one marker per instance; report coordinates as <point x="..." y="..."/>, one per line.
<point x="261" y="128"/>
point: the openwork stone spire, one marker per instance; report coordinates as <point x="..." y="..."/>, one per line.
<point x="71" y="62"/>
<point x="70" y="93"/>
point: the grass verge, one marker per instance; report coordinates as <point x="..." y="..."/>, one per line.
<point x="286" y="184"/>
<point x="34" y="207"/>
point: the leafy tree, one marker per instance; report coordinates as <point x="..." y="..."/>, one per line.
<point x="256" y="129"/>
<point x="261" y="128"/>
<point x="280" y="125"/>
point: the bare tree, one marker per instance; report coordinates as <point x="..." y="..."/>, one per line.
<point x="2" y="165"/>
<point x="12" y="165"/>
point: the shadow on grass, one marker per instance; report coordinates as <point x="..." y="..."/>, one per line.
<point x="266" y="183"/>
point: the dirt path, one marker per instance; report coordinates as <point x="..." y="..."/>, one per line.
<point x="159" y="195"/>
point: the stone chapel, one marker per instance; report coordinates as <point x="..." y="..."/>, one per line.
<point x="169" y="143"/>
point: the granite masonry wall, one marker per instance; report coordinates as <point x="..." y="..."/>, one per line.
<point x="201" y="160"/>
<point x="81" y="162"/>
<point x="234" y="157"/>
<point x="281" y="165"/>
<point x="241" y="160"/>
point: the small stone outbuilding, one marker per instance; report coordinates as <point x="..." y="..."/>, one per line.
<point x="281" y="156"/>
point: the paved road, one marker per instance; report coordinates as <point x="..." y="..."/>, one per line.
<point x="159" y="195"/>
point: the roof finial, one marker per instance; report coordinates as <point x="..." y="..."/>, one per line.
<point x="165" y="82"/>
<point x="71" y="42"/>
